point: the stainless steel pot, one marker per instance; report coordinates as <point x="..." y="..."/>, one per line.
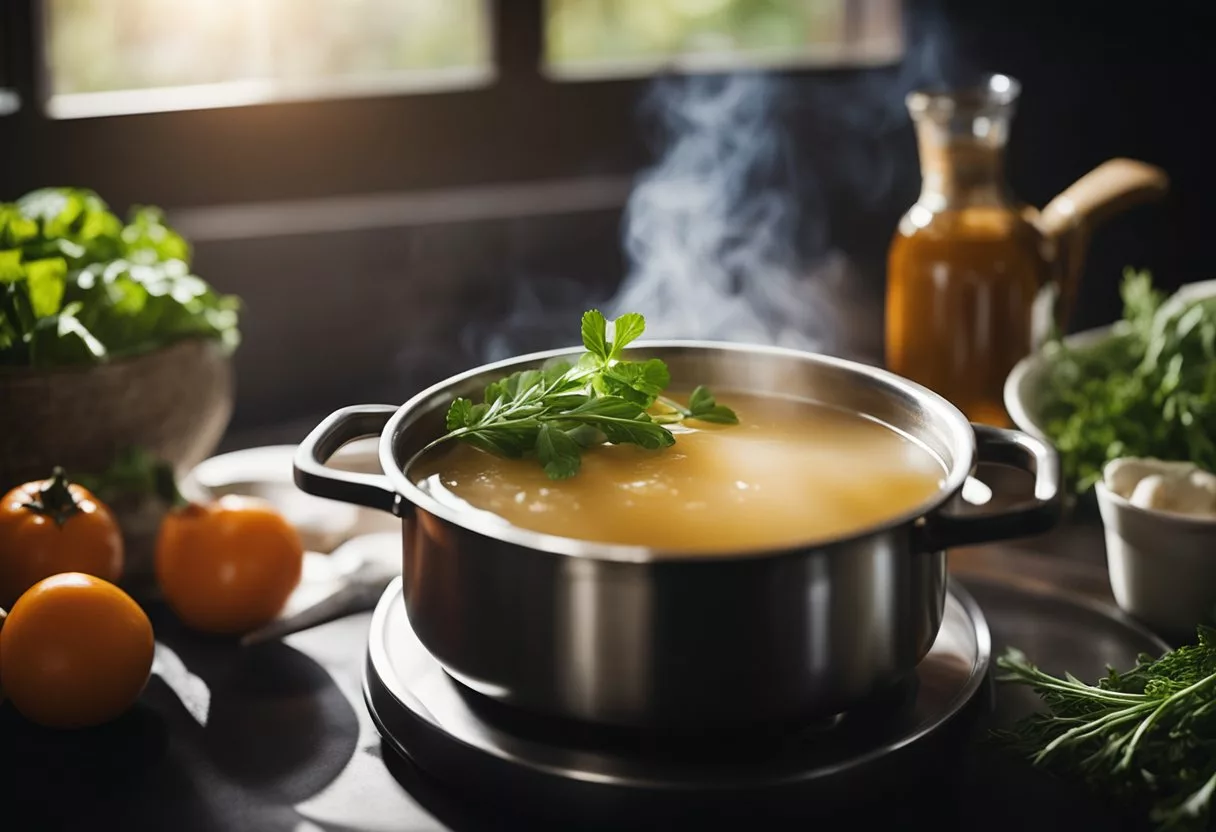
<point x="631" y="636"/>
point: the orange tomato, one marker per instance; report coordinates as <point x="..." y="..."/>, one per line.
<point x="52" y="526"/>
<point x="227" y="567"/>
<point x="75" y="651"/>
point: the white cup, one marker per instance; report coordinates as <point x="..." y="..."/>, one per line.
<point x="1162" y="566"/>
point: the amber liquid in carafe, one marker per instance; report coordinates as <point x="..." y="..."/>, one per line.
<point x="964" y="267"/>
<point x="960" y="294"/>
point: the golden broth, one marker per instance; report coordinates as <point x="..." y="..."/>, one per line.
<point x="790" y="472"/>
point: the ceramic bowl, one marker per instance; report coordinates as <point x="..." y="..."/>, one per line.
<point x="266" y="472"/>
<point x="174" y="403"/>
<point x="1162" y="565"/>
<point x="1025" y="398"/>
<point x="1026" y="384"/>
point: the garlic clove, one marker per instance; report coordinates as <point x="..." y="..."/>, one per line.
<point x="1189" y="500"/>
<point x="1124" y="474"/>
<point x="1201" y="486"/>
<point x="1154" y="492"/>
<point x="1192" y="494"/>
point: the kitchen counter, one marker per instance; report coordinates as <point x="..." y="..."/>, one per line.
<point x="277" y="738"/>
<point x="285" y="743"/>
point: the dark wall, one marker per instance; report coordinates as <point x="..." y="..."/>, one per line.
<point x="1104" y="80"/>
<point x="1099" y="81"/>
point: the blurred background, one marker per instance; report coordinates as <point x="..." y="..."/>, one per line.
<point x="400" y="189"/>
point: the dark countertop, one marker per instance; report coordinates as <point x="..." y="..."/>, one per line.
<point x="285" y="742"/>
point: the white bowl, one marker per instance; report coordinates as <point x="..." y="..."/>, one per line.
<point x="1026" y="383"/>
<point x="266" y="472"/>
<point x="1162" y="566"/>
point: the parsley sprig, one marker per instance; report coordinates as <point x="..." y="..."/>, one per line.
<point x="1146" y="737"/>
<point x="557" y="411"/>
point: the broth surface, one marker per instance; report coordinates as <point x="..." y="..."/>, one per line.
<point x="790" y="472"/>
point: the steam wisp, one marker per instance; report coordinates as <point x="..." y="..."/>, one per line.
<point x="729" y="235"/>
<point x="710" y="231"/>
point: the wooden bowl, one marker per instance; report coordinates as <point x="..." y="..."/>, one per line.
<point x="174" y="402"/>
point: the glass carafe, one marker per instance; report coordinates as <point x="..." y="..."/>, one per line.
<point x="967" y="262"/>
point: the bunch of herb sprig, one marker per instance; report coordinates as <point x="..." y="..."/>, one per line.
<point x="1146" y="737"/>
<point x="561" y="409"/>
<point x="1148" y="391"/>
<point x="80" y="286"/>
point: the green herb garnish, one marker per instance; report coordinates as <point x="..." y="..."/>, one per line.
<point x="132" y="475"/>
<point x="1148" y="391"/>
<point x="559" y="410"/>
<point x="80" y="286"/>
<point x="1146" y="738"/>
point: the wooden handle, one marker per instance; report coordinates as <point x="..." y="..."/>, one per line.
<point x="1069" y="219"/>
<point x="3" y="615"/>
<point x="1111" y="187"/>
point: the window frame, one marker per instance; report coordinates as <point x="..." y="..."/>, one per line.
<point x="528" y="124"/>
<point x="522" y="127"/>
<point x="11" y="98"/>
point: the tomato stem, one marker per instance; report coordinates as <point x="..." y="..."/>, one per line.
<point x="55" y="499"/>
<point x="166" y="486"/>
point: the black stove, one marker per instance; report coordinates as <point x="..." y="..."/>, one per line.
<point x="875" y="757"/>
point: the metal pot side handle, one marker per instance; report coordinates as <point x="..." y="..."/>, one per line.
<point x="340" y="427"/>
<point x="947" y="530"/>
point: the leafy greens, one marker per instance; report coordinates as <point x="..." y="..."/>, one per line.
<point x="1146" y="737"/>
<point x="1148" y="391"/>
<point x="557" y="411"/>
<point x="79" y="286"/>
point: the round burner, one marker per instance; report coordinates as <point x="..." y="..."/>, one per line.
<point x="465" y="739"/>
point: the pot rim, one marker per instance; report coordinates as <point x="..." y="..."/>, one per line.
<point x="489" y="525"/>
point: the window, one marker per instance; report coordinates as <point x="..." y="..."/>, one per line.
<point x="601" y="38"/>
<point x="197" y="103"/>
<point x="110" y="57"/>
<point x="386" y="218"/>
<point x="194" y="103"/>
<point x="124" y="56"/>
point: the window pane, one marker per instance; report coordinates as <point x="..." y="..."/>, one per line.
<point x="596" y="38"/>
<point x="257" y="50"/>
<point x="316" y="38"/>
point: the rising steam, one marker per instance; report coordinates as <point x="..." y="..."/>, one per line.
<point x="710" y="231"/>
<point x="729" y="235"/>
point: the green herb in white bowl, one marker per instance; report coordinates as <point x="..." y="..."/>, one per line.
<point x="1144" y="387"/>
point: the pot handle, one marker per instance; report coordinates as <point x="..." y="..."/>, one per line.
<point x="342" y="426"/>
<point x="946" y="530"/>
